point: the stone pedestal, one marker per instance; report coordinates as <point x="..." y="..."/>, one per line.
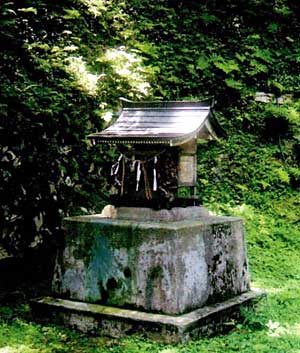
<point x="157" y="267"/>
<point x="116" y="322"/>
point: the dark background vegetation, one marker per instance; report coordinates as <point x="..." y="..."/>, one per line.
<point x="64" y="66"/>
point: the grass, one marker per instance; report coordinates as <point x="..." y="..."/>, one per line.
<point x="273" y="238"/>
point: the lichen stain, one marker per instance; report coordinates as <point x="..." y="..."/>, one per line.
<point x="153" y="284"/>
<point x="156" y="268"/>
<point x="103" y="269"/>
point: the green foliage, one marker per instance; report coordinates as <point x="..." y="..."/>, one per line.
<point x="273" y="246"/>
<point x="243" y="169"/>
<point x="212" y="48"/>
<point x="63" y="68"/>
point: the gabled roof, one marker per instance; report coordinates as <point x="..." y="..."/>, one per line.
<point x="168" y="123"/>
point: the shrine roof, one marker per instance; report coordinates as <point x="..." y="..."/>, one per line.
<point x="168" y="123"/>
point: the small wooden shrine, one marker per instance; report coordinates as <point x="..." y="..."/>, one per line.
<point x="166" y="274"/>
<point x="158" y="151"/>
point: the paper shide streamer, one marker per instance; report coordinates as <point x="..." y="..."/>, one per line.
<point x="139" y="166"/>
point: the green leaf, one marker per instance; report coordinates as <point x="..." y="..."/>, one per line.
<point x="227" y="66"/>
<point x="273" y="27"/>
<point x="28" y="10"/>
<point x="71" y="14"/>
<point x="283" y="175"/>
<point x="242" y="187"/>
<point x="240" y="57"/>
<point x="202" y="63"/>
<point x="264" y="54"/>
<point x="256" y="67"/>
<point x="207" y="18"/>
<point x="148" y="49"/>
<point x="255" y="36"/>
<point x="264" y="184"/>
<point x="233" y="83"/>
<point x="277" y="85"/>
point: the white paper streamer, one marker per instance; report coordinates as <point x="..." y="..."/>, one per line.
<point x="115" y="167"/>
<point x="138" y="175"/>
<point x="154" y="175"/>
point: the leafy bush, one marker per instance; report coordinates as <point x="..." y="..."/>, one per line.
<point x="242" y="169"/>
<point x="62" y="72"/>
<point x="63" y="68"/>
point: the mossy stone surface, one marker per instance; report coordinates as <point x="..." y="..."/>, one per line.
<point x="167" y="267"/>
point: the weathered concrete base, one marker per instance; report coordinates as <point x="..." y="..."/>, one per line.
<point x="116" y="322"/>
<point x="154" y="266"/>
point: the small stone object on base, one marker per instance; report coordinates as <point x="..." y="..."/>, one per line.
<point x="117" y="322"/>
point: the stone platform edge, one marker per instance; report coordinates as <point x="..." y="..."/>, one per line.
<point x="118" y="322"/>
